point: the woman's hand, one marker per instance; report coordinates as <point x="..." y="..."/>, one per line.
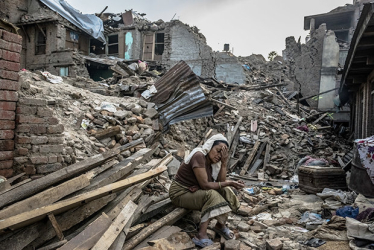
<point x="237" y="185"/>
<point x="224" y="154"/>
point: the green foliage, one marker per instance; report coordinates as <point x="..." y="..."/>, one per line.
<point x="272" y="55"/>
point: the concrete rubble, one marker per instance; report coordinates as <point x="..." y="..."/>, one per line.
<point x="93" y="160"/>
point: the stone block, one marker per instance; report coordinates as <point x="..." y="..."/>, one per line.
<point x="7" y="105"/>
<point x="23" y="139"/>
<point x="22" y="151"/>
<point x="10" y="66"/>
<point x="151" y="113"/>
<point x="7" y="173"/>
<point x="7" y="115"/>
<point x="33" y="101"/>
<point x="6" y="145"/>
<point x="45" y="112"/>
<point x="37" y="140"/>
<point x="11" y="37"/>
<point x="21" y="160"/>
<point x="5" y="45"/>
<point x="243" y="226"/>
<point x="123" y="114"/>
<point x="274" y="244"/>
<point x="55" y="140"/>
<point x="232" y="245"/>
<point x="9" y="84"/>
<point x="11" y="56"/>
<point x="23" y="128"/>
<point x="39" y="159"/>
<point x="29" y="110"/>
<point x="52" y="159"/>
<point x="6" y="134"/>
<point x="30" y="170"/>
<point x="52" y="121"/>
<point x="38" y="129"/>
<point x="6" y="164"/>
<point x="56" y="129"/>
<point x="29" y="119"/>
<point x="6" y="155"/>
<point x="51" y="148"/>
<point x="49" y="168"/>
<point x="10" y="75"/>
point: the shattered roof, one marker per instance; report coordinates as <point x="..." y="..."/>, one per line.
<point x="179" y="96"/>
<point x="105" y="61"/>
<point x="89" y="23"/>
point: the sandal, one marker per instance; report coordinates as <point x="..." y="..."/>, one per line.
<point x="225" y="233"/>
<point x="202" y="243"/>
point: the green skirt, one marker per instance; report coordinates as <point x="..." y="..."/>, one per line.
<point x="203" y="200"/>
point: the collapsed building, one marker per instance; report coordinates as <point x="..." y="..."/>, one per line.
<point x="317" y="64"/>
<point x="88" y="164"/>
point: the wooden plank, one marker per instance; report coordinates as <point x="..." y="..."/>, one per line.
<point x="119" y="242"/>
<point x="319" y="119"/>
<point x="163" y="232"/>
<point x="153" y="210"/>
<point x="35" y="186"/>
<point x="171" y="218"/>
<point x="254" y="167"/>
<point x="118" y="171"/>
<point x="54" y="245"/>
<point x="267" y="154"/>
<point x="10" y="180"/>
<point x="109" y="132"/>
<point x="224" y="104"/>
<point x="15" y="186"/>
<point x="59" y="207"/>
<point x="38" y="233"/>
<point x="90" y="235"/>
<point x="116" y="227"/>
<point x="46" y="197"/>
<point x="219" y="111"/>
<point x="250" y="158"/>
<point x="235" y="130"/>
<point x="56" y="226"/>
<point x="205" y="137"/>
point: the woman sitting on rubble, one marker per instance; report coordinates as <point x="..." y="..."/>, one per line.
<point x="200" y="184"/>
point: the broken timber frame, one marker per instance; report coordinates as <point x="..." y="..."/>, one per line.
<point x="250" y="158"/>
<point x="35" y="186"/>
<point x="59" y="207"/>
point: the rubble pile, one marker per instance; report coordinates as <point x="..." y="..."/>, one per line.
<point x="114" y="195"/>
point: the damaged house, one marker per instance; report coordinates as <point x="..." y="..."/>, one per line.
<point x="315" y="65"/>
<point x="61" y="40"/>
<point x="53" y="34"/>
<point x="357" y="84"/>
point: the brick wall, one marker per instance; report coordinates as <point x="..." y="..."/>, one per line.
<point x="10" y="48"/>
<point x="39" y="139"/>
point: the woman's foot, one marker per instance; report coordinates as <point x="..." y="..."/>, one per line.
<point x="202" y="242"/>
<point x="224" y="231"/>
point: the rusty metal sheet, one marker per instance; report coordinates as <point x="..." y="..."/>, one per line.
<point x="179" y="96"/>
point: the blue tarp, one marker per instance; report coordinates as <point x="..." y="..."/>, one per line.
<point x="89" y="23"/>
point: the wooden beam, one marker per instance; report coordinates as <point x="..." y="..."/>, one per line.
<point x="319" y="119"/>
<point x="224" y="104"/>
<point x="47" y="197"/>
<point x="26" y="218"/>
<point x="38" y="233"/>
<point x="235" y="130"/>
<point x="311" y="96"/>
<point x="54" y="246"/>
<point x="250" y="158"/>
<point x="37" y="185"/>
<point x="90" y="235"/>
<point x="116" y="227"/>
<point x="267" y="154"/>
<point x="171" y="218"/>
<point x="56" y="226"/>
<point x="253" y="167"/>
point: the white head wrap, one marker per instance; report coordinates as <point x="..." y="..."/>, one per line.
<point x="216" y="167"/>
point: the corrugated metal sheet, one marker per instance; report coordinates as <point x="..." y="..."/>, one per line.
<point x="179" y="96"/>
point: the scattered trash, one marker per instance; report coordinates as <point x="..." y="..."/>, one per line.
<point x="149" y="92"/>
<point x="85" y="123"/>
<point x="108" y="107"/>
<point x="314" y="242"/>
<point x="347" y="211"/>
<point x="52" y="78"/>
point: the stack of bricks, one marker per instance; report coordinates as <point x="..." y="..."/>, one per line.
<point x="10" y="48"/>
<point x="39" y="138"/>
